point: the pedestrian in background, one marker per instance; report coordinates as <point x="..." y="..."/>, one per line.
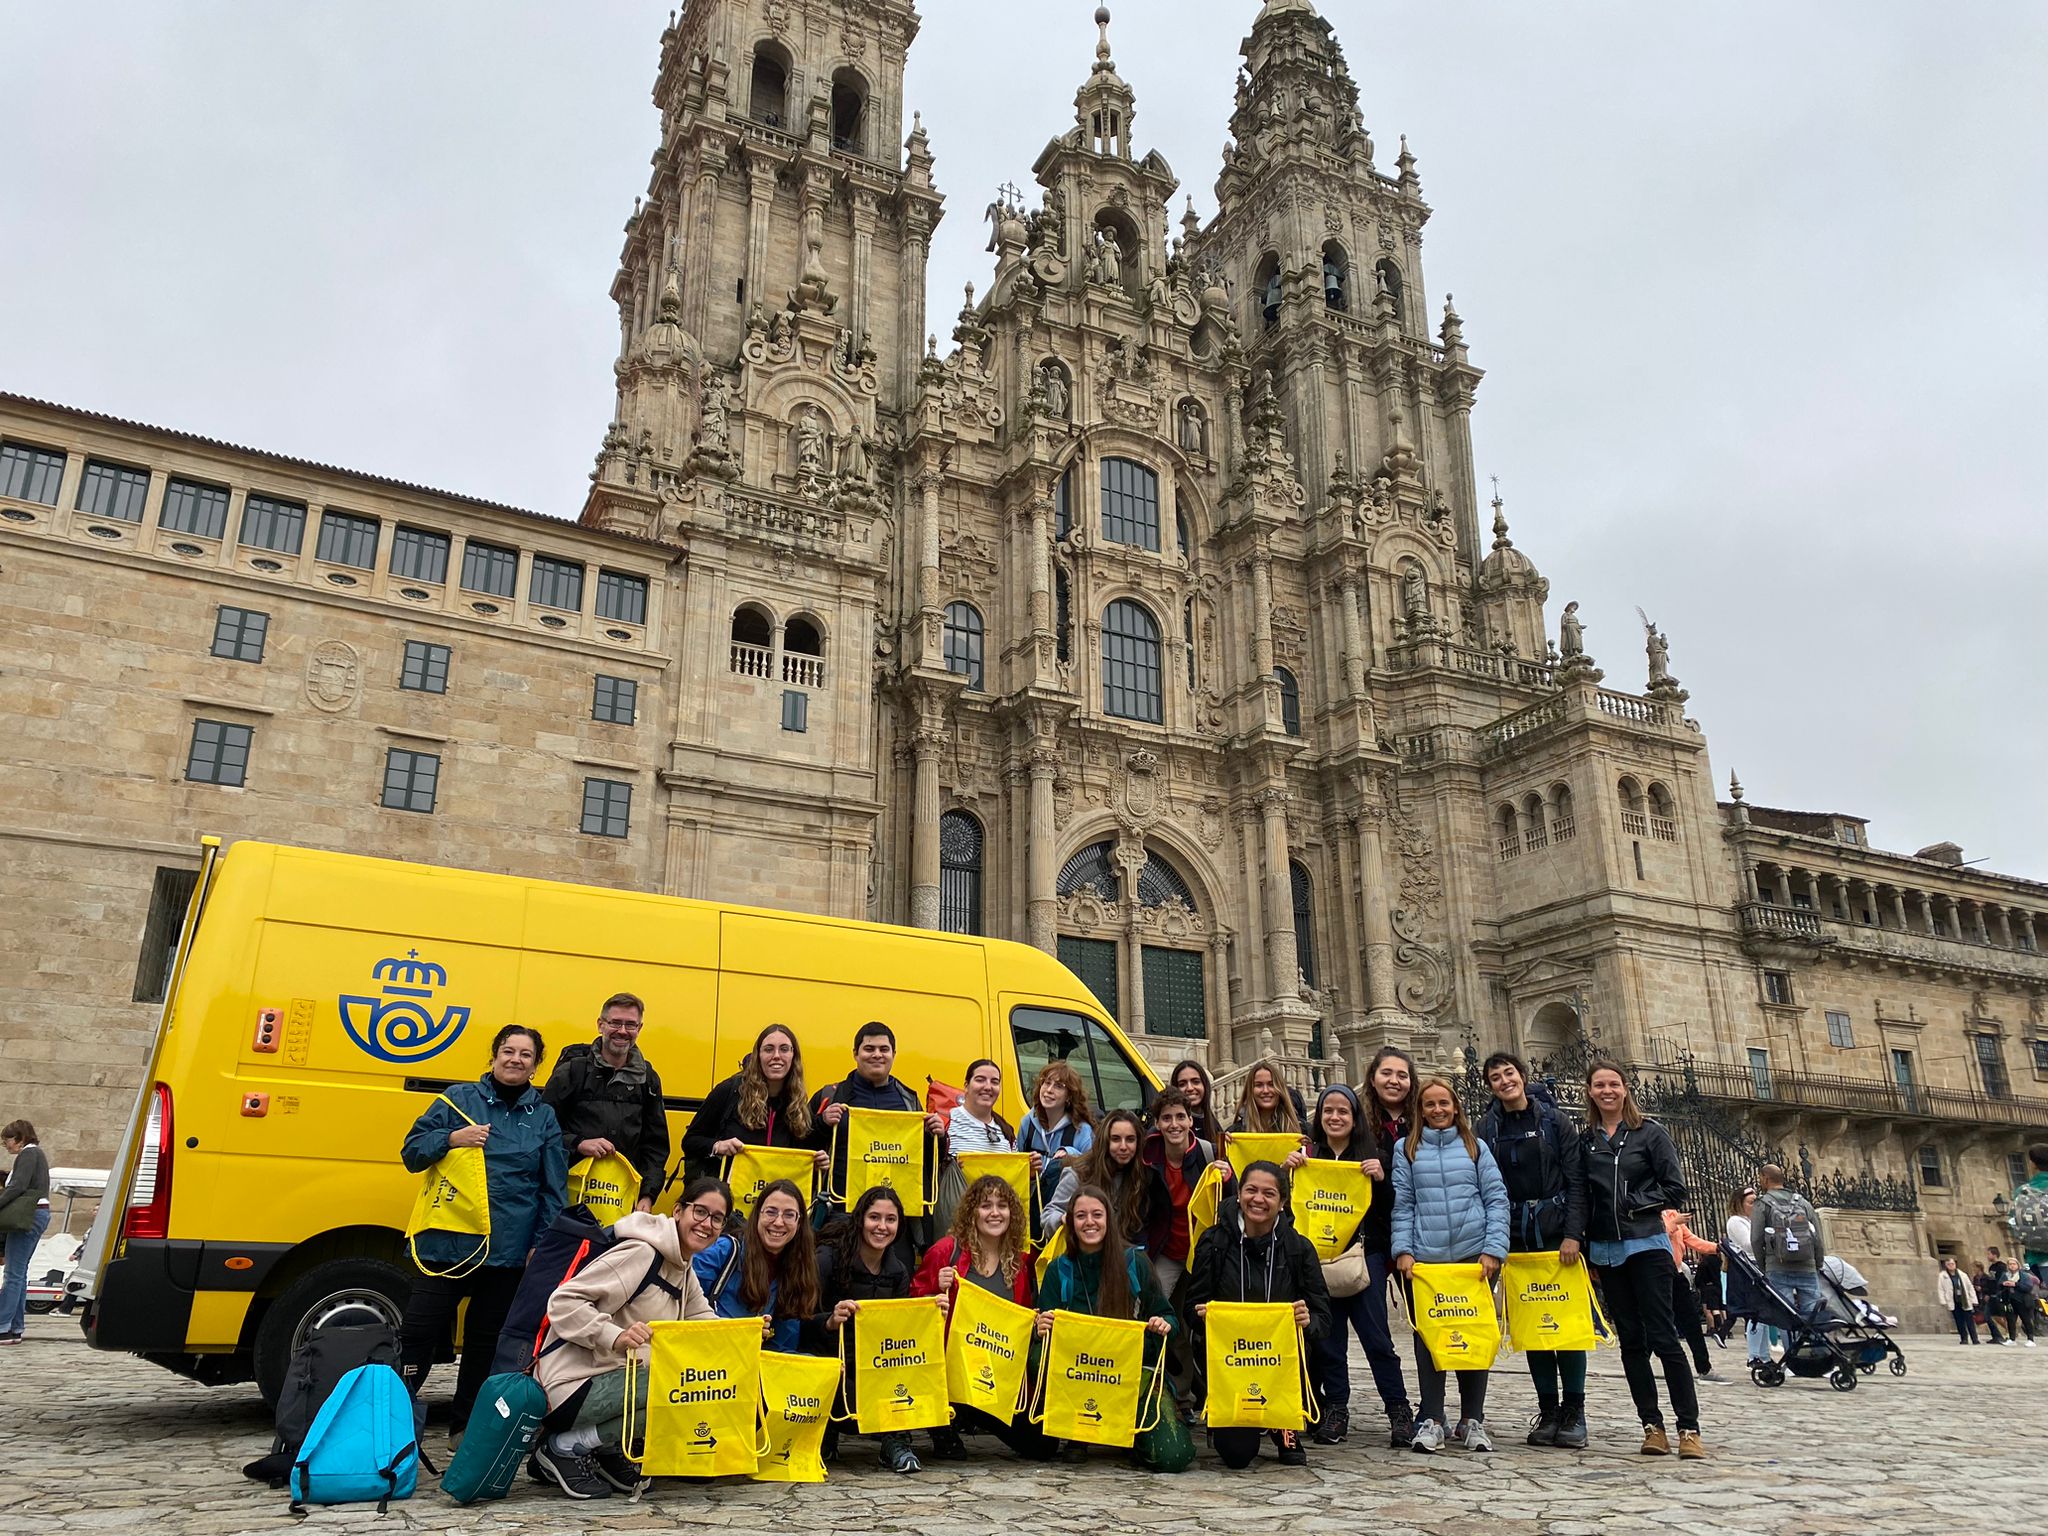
<point x="1958" y="1298"/>
<point x="2030" y="1213"/>
<point x="24" y="1218"/>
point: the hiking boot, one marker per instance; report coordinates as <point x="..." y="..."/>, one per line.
<point x="947" y="1445"/>
<point x="1428" y="1437"/>
<point x="1655" y="1441"/>
<point x="1400" y="1426"/>
<point x="1332" y="1427"/>
<point x="1292" y="1452"/>
<point x="901" y="1458"/>
<point x="1544" y="1430"/>
<point x="574" y="1475"/>
<point x="610" y="1463"/>
<point x="1472" y="1435"/>
<point x="1571" y="1426"/>
<point x="1690" y="1446"/>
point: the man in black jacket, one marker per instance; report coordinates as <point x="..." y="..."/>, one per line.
<point x="608" y="1098"/>
<point x="1533" y="1148"/>
<point x="1253" y="1253"/>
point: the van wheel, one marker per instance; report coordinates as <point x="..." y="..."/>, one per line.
<point x="342" y="1290"/>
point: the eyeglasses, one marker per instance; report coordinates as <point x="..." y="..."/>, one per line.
<point x="715" y="1220"/>
<point x="621" y="1023"/>
<point x="778" y="1218"/>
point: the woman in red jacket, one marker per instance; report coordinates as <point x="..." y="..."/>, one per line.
<point x="989" y="1247"/>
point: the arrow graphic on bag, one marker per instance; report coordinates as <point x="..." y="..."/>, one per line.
<point x="709" y="1442"/>
<point x="1550" y="1325"/>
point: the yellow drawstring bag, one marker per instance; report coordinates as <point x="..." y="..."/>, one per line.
<point x="1055" y="1244"/>
<point x="1092" y="1381"/>
<point x="1551" y="1304"/>
<point x="796" y="1403"/>
<point x="1454" y="1315"/>
<point x="454" y="1197"/>
<point x="703" y="1414"/>
<point x="1256" y="1366"/>
<point x="885" y="1147"/>
<point x="1203" y="1202"/>
<point x="1013" y="1168"/>
<point x="1244" y="1148"/>
<point x="988" y="1346"/>
<point x="752" y="1169"/>
<point x="608" y="1187"/>
<point x="1328" y="1200"/>
<point x="898" y="1365"/>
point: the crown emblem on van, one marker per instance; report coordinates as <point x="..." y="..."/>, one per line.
<point x="399" y="1025"/>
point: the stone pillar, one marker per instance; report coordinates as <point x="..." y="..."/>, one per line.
<point x="700" y="236"/>
<point x="1813" y="892"/>
<point x="1926" y="906"/>
<point x="1262" y="614"/>
<point x="1219" y="994"/>
<point x="1354" y="637"/>
<point x="917" y="237"/>
<point x="1379" y="918"/>
<point x="1977" y="910"/>
<point x="1040" y="853"/>
<point x="1130" y="858"/>
<point x="760" y="203"/>
<point x="1233" y="422"/>
<point x="1781" y="885"/>
<point x="1282" y="961"/>
<point x="1899" y="907"/>
<point x="2027" y="939"/>
<point x="928" y="483"/>
<point x="1254" y="949"/>
<point x="2005" y="926"/>
<point x="925" y="746"/>
<point x="864" y="220"/>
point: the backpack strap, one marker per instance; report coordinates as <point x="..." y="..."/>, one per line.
<point x="653" y="1278"/>
<point x="390" y="1474"/>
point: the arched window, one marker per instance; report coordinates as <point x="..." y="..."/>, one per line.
<point x="1093" y="865"/>
<point x="1130" y="504"/>
<point x="1532" y="815"/>
<point x="849" y="112"/>
<point x="1130" y="663"/>
<point x="1563" y="823"/>
<point x="803" y="652"/>
<point x="1182" y="538"/>
<point x="963" y="642"/>
<point x="1290" y="701"/>
<point x="1063" y="504"/>
<point x="768" y="96"/>
<point x="1508" y="824"/>
<point x="1663" y="814"/>
<point x="1336" y="277"/>
<point x="960" y="842"/>
<point x="1267" y="286"/>
<point x="753" y="642"/>
<point x="1062" y="615"/>
<point x="1170" y="980"/>
<point x="1304" y="921"/>
<point x="1390" y="284"/>
<point x="1634" y="821"/>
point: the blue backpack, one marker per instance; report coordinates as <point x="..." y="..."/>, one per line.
<point x="364" y="1444"/>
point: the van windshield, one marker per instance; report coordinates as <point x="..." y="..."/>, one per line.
<point x="1054" y="1034"/>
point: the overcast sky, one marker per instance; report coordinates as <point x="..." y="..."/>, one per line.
<point x="1758" y="288"/>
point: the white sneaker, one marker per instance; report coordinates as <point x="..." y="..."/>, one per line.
<point x="1472" y="1435"/>
<point x="2028" y="1342"/>
<point x="1429" y="1437"/>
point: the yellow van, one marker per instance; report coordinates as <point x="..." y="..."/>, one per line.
<point x="318" y="1001"/>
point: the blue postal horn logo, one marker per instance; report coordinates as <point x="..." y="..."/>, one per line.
<point x="399" y="1025"/>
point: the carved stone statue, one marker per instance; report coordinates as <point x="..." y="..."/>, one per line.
<point x="1571" y="634"/>
<point x="810" y="445"/>
<point x="1052" y="384"/>
<point x="1190" y="426"/>
<point x="1414" y="594"/>
<point x="1106" y="260"/>
<point x="714" y="421"/>
<point x="1659" y="649"/>
<point x="853" y="458"/>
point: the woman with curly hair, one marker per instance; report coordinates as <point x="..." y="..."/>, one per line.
<point x="989" y="1248"/>
<point x="761" y="1105"/>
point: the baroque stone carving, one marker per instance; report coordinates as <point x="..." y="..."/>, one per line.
<point x="334" y="674"/>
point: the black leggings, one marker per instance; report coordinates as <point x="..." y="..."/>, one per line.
<point x="1685" y="1314"/>
<point x="430" y="1320"/>
<point x="1471" y="1389"/>
<point x="1638" y="1297"/>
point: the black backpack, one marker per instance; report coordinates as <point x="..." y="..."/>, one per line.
<point x="330" y="1352"/>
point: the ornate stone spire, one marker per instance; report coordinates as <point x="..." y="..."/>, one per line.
<point x="1105" y="105"/>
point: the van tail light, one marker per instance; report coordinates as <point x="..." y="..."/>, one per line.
<point x="149" y="1197"/>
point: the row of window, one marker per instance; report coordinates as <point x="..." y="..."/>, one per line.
<point x="117" y="493"/>
<point x="1130" y="507"/>
<point x="220" y="755"/>
<point x="1336" y="283"/>
<point x="239" y="634"/>
<point x="1988" y="1049"/>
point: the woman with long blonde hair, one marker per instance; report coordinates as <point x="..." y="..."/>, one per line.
<point x="761" y="1105"/>
<point x="1267" y="1107"/>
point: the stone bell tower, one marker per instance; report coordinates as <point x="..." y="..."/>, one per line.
<point x="771" y="297"/>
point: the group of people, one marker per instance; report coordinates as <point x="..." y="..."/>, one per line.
<point x="1115" y="1186"/>
<point x="2001" y="1289"/>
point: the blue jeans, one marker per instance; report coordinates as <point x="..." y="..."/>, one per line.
<point x="21" y="1251"/>
<point x="1801" y="1287"/>
<point x="1366" y="1315"/>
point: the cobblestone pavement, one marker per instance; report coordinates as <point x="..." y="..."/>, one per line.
<point x="92" y="1442"/>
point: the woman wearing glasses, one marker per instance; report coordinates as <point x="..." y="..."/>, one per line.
<point x="601" y="1314"/>
<point x="767" y="1269"/>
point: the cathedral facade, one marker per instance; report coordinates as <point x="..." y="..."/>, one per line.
<point x="1155" y="618"/>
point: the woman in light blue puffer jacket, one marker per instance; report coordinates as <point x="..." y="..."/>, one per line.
<point x="1450" y="1207"/>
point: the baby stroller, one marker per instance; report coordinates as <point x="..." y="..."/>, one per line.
<point x="1865" y="1328"/>
<point x="1811" y="1347"/>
